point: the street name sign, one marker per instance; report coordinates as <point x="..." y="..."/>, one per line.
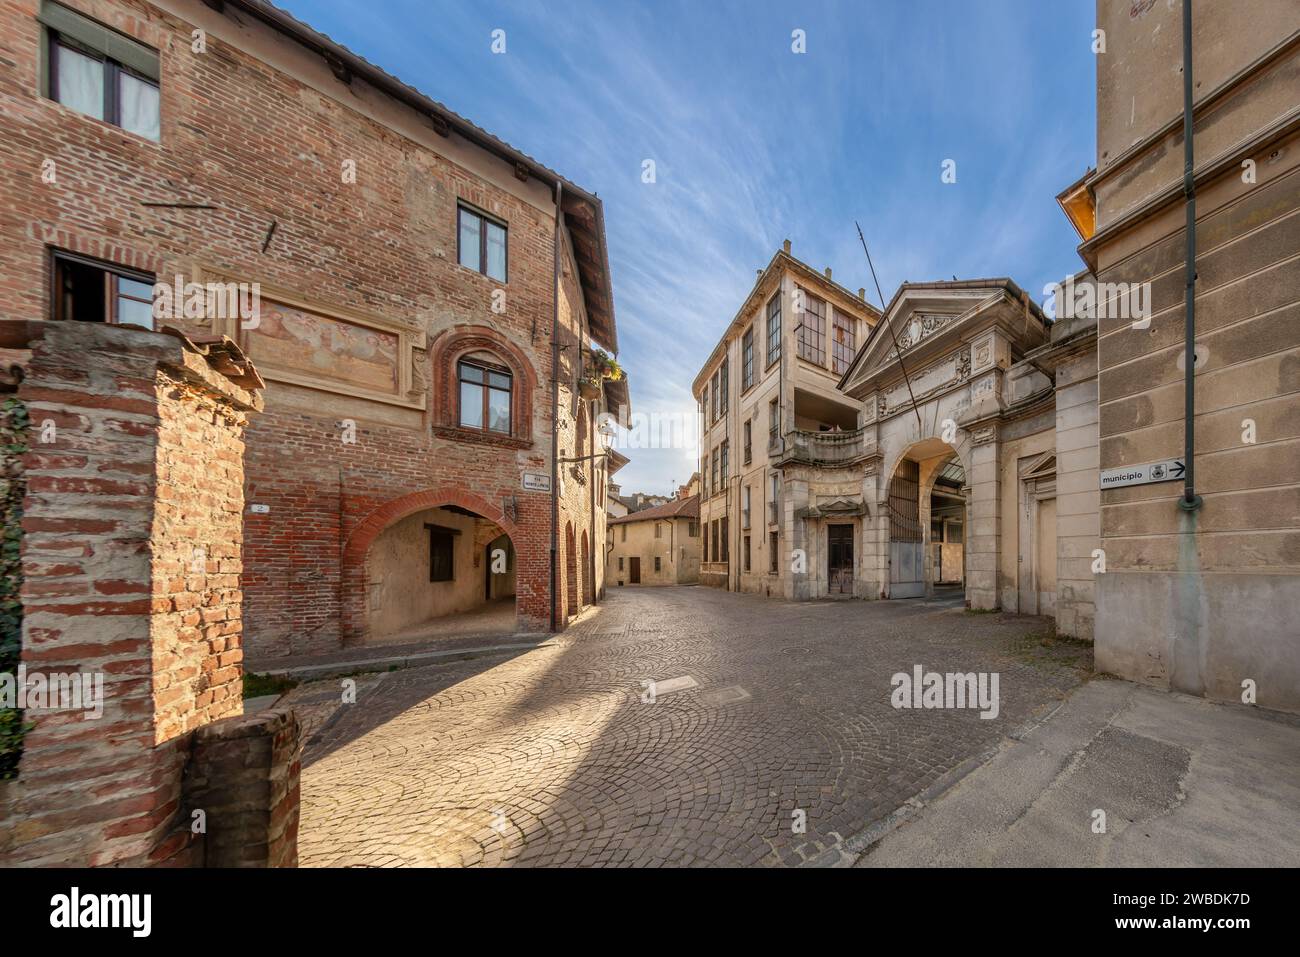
<point x="537" y="482"/>
<point x="1170" y="470"/>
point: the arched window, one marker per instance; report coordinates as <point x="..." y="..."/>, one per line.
<point x="485" y="396"/>
<point x="483" y="387"/>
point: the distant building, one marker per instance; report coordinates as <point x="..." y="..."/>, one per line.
<point x="614" y="506"/>
<point x="656" y="546"/>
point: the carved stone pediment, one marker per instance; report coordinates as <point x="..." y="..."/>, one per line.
<point x="921" y="326"/>
<point x="834" y="508"/>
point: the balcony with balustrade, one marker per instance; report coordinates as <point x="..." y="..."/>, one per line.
<point x="834" y="448"/>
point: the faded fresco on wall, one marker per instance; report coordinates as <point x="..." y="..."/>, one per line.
<point x="305" y="344"/>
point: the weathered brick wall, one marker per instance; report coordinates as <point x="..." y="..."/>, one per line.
<point x="243" y="775"/>
<point x="134" y="465"/>
<point x="264" y="143"/>
<point x="195" y="552"/>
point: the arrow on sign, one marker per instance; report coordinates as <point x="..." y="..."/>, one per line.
<point x="1178" y="468"/>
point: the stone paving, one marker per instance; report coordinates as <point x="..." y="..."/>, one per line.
<point x="550" y="756"/>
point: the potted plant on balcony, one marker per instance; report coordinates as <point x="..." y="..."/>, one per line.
<point x="601" y="367"/>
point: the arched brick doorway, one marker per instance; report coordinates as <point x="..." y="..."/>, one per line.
<point x="530" y="585"/>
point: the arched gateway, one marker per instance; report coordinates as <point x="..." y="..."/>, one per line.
<point x="422" y="559"/>
<point x="973" y="406"/>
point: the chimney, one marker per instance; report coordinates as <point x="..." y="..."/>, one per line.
<point x="786" y="246"/>
<point x="862" y="293"/>
<point x="828" y="272"/>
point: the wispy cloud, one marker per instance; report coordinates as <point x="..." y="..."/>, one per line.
<point x="753" y="143"/>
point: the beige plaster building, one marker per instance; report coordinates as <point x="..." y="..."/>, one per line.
<point x="768" y="388"/>
<point x="984" y="431"/>
<point x="656" y="546"/>
<point x="977" y="455"/>
<point x="1201" y="600"/>
<point x="956" y="447"/>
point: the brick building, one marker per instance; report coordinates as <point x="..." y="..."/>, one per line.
<point x="427" y="300"/>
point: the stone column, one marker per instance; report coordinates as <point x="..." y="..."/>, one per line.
<point x="872" y="562"/>
<point x="982" y="538"/>
<point x="794" y="496"/>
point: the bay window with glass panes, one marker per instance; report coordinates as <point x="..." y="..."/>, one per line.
<point x="100" y="72"/>
<point x="485" y="394"/>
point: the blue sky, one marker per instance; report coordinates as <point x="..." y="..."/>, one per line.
<point x="754" y="144"/>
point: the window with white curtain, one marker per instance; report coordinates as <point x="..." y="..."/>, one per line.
<point x="100" y="72"/>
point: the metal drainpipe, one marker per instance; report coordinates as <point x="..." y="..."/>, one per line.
<point x="1190" y="501"/>
<point x="591" y="503"/>
<point x="555" y="410"/>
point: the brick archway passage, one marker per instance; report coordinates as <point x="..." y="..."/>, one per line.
<point x="531" y="584"/>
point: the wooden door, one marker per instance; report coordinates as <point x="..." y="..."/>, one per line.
<point x="839" y="572"/>
<point x="634" y="571"/>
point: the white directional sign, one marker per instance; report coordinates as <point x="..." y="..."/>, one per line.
<point x="1170" y="470"/>
<point x="537" y="482"/>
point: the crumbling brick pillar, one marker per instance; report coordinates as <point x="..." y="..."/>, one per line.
<point x="132" y="543"/>
<point x="243" y="777"/>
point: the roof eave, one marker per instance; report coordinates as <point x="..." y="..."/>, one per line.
<point x="345" y="63"/>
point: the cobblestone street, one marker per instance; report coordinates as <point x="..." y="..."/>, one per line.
<point x="549" y="756"/>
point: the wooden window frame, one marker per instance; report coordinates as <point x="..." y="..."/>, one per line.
<point x="747" y="360"/>
<point x="438" y="534"/>
<point x="842" y="352"/>
<point x="114" y="69"/>
<point x="724" y="381"/>
<point x="111" y="273"/>
<point x="812" y="330"/>
<point x="463" y="209"/>
<point x="773" y="340"/>
<point x="488" y="389"/>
